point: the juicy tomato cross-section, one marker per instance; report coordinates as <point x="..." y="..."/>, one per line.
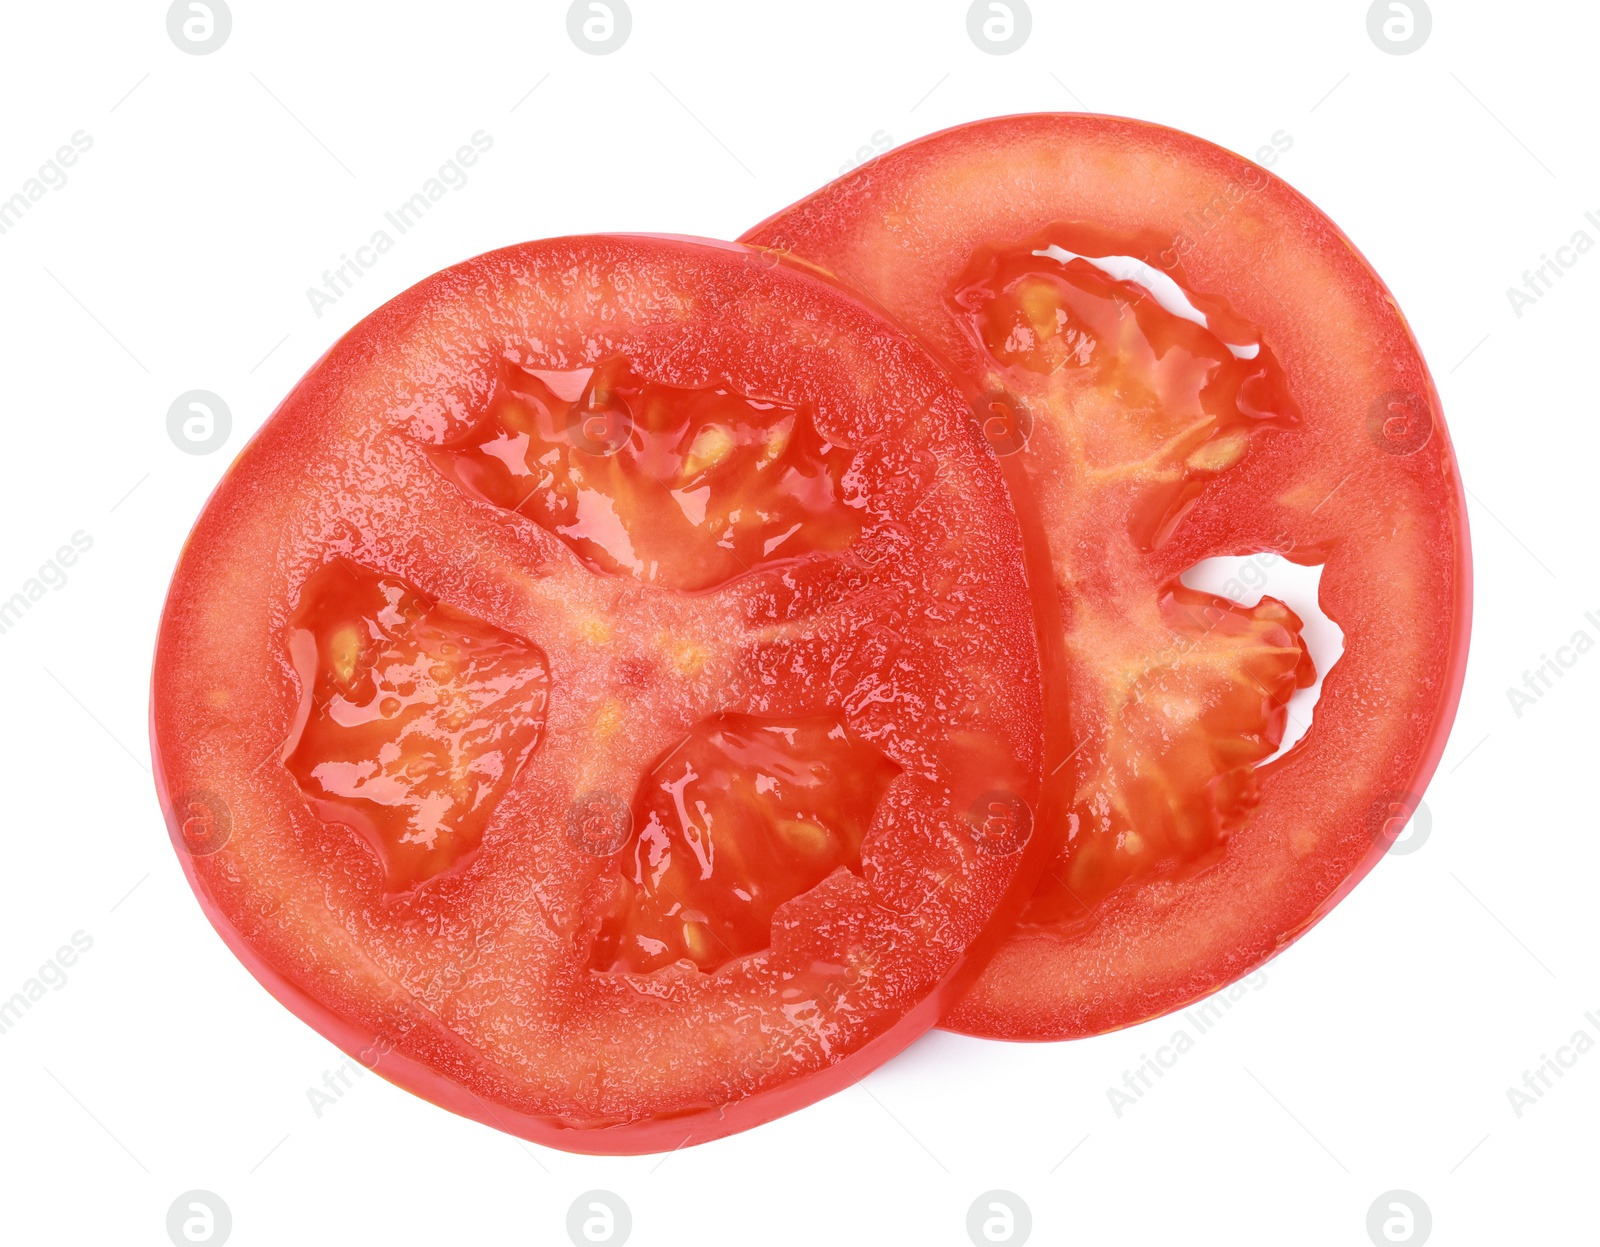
<point x="1186" y="360"/>
<point x="742" y="815"/>
<point x="1176" y="771"/>
<point x="685" y="487"/>
<point x="1182" y="692"/>
<point x="1165" y="401"/>
<point x="413" y="717"/>
<point x="597" y="680"/>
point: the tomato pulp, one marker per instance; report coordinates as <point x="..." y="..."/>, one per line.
<point x="604" y="696"/>
<point x="1190" y="361"/>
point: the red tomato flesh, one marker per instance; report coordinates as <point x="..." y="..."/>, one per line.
<point x="1192" y="362"/>
<point x="587" y="699"/>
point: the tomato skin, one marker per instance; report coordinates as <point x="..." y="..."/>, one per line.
<point x="904" y="232"/>
<point x="407" y="1035"/>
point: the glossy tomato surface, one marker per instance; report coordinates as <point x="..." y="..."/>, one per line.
<point x="1190" y="361"/>
<point x="604" y="697"/>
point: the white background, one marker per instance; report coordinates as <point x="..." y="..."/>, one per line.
<point x="1379" y="1050"/>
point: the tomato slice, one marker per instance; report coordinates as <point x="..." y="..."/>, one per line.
<point x="587" y="698"/>
<point x="1193" y="362"/>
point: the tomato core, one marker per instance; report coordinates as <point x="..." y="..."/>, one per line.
<point x="1146" y="391"/>
<point x="1076" y="316"/>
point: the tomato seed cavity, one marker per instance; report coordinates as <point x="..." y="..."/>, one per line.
<point x="685" y="488"/>
<point x="414" y="717"/>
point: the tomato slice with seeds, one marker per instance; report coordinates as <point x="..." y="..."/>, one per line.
<point x="585" y="699"/>
<point x="740" y="816"/>
<point x="681" y="487"/>
<point x="1175" y="773"/>
<point x="413" y="717"/>
<point x="1187" y="360"/>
